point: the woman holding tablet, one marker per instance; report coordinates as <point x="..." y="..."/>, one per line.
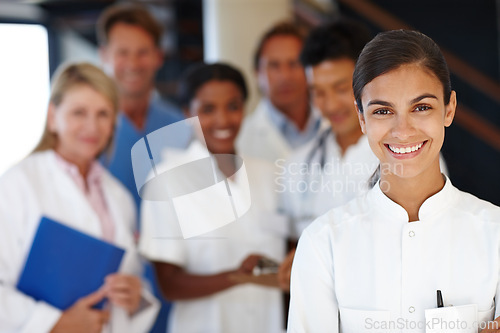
<point x="376" y="264"/>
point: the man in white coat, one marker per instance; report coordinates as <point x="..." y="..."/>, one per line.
<point x="336" y="166"/>
<point x="283" y="120"/>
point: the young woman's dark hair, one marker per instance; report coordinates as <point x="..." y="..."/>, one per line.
<point x="199" y="74"/>
<point x="392" y="49"/>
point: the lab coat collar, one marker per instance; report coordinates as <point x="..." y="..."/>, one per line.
<point x="336" y="151"/>
<point x="432" y="207"/>
<point x="195" y="151"/>
<point x="294" y="136"/>
<point x="439" y="202"/>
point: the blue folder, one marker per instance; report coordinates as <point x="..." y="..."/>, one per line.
<point x="65" y="264"/>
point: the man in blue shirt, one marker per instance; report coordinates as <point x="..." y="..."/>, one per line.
<point x="129" y="40"/>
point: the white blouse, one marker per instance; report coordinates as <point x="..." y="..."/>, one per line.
<point x="243" y="308"/>
<point x="363" y="267"/>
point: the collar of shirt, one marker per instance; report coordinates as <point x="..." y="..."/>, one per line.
<point x="431" y="207"/>
<point x="324" y="149"/>
<point x="362" y="143"/>
<point x="154" y="118"/>
<point x="197" y="150"/>
<point x="287" y="128"/>
<point x="194" y="165"/>
<point x="92" y="189"/>
<point x="124" y="122"/>
<point x="93" y="176"/>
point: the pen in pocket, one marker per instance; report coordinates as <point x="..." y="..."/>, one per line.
<point x="439" y="299"/>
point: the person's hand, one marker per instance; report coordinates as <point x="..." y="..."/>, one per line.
<point x="493" y="326"/>
<point x="285" y="271"/>
<point x="81" y="318"/>
<point x="244" y="274"/>
<point x="124" y="291"/>
<point x="247" y="266"/>
<point x="266" y="280"/>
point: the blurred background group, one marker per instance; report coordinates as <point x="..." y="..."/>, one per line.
<point x="36" y="36"/>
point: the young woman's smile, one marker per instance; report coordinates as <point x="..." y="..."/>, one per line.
<point x="405" y="151"/>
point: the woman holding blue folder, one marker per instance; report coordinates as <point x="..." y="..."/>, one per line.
<point x="376" y="264"/>
<point x="63" y="181"/>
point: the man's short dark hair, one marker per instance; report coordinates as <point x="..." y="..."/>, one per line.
<point x="133" y="14"/>
<point x="284" y="28"/>
<point x="343" y="38"/>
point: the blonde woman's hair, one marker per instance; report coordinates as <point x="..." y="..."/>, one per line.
<point x="69" y="76"/>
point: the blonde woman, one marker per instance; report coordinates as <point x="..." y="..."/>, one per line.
<point x="62" y="180"/>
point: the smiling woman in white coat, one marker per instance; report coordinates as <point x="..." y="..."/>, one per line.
<point x="377" y="263"/>
<point x="210" y="276"/>
<point x="62" y="180"/>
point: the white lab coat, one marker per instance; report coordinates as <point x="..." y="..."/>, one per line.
<point x="243" y="308"/>
<point x="39" y="186"/>
<point x="307" y="190"/>
<point x="259" y="137"/>
<point x="364" y="264"/>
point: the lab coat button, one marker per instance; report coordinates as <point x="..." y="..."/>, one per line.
<point x="411" y="233"/>
<point x="411" y="309"/>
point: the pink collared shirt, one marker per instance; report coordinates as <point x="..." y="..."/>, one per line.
<point x="93" y="191"/>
